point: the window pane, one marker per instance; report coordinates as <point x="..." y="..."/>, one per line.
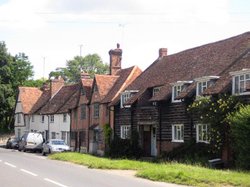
<point x="236" y="84"/>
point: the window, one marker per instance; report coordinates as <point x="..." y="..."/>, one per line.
<point x="202" y="133"/>
<point x="125" y="131"/>
<point x="241" y="83"/>
<point x="83" y="111"/>
<point x="176" y="90"/>
<point x="155" y="91"/>
<point x="203" y="83"/>
<point x="64" y="136"/>
<point x="201" y="86"/>
<point x="124" y="97"/>
<point x="64" y="117"/>
<point x="42" y="118"/>
<point x="178" y="133"/>
<point x="32" y="118"/>
<point x="18" y="118"/>
<point x="96" y="110"/>
<point x="53" y="135"/>
<point x="51" y="118"/>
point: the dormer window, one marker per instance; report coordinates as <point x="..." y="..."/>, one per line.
<point x="177" y="88"/>
<point x="126" y="95"/>
<point x="203" y="83"/>
<point x="155" y="91"/>
<point x="241" y="82"/>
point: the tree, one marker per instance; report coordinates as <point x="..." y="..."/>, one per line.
<point x="240" y="125"/>
<point x="91" y="64"/>
<point x="35" y="83"/>
<point x="14" y="70"/>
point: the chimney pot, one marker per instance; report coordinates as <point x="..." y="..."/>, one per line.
<point x="115" y="60"/>
<point x="163" y="52"/>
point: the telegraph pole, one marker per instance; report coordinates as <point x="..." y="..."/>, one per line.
<point x="44" y="67"/>
<point x="81" y="49"/>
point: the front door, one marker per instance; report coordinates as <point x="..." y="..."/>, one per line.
<point x="147" y="141"/>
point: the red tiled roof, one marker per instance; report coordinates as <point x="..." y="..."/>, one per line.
<point x="104" y="84"/>
<point x="28" y="97"/>
<point x="214" y="59"/>
<point x="126" y="76"/>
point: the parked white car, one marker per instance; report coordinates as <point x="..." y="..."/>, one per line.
<point x="54" y="146"/>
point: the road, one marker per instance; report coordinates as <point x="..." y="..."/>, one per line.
<point x="19" y="169"/>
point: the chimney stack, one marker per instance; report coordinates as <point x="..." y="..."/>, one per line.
<point x="115" y="60"/>
<point x="163" y="52"/>
<point x="85" y="75"/>
<point x="55" y="85"/>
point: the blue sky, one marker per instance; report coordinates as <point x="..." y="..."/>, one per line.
<point x="55" y="29"/>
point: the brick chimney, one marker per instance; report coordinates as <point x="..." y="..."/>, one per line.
<point x="85" y="75"/>
<point x="55" y="85"/>
<point x="115" y="60"/>
<point x="163" y="52"/>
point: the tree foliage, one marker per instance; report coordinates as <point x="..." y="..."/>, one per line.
<point x="91" y="64"/>
<point x="240" y="125"/>
<point x="14" y="71"/>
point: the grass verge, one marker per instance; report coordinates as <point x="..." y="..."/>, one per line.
<point x="165" y="172"/>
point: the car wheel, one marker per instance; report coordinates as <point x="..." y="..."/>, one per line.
<point x="43" y="153"/>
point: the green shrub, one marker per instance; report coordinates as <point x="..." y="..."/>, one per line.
<point x="240" y="125"/>
<point x="190" y="152"/>
<point x="125" y="148"/>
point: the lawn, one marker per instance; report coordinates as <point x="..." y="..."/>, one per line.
<point x="165" y="171"/>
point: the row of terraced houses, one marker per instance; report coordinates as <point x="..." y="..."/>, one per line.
<point x="153" y="102"/>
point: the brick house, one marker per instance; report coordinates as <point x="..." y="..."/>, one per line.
<point x="80" y="116"/>
<point x="93" y="107"/>
<point x="155" y="104"/>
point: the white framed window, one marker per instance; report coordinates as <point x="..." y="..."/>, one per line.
<point x="42" y="118"/>
<point x="156" y="90"/>
<point x="202" y="133"/>
<point x="32" y="118"/>
<point x="241" y="84"/>
<point x="176" y="90"/>
<point x="178" y="133"/>
<point x="201" y="86"/>
<point x="18" y="118"/>
<point x="52" y="118"/>
<point x="96" y="110"/>
<point x="203" y="83"/>
<point x="64" y="117"/>
<point x="125" y="131"/>
<point x="124" y="97"/>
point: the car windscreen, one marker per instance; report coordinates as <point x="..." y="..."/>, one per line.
<point x="57" y="142"/>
